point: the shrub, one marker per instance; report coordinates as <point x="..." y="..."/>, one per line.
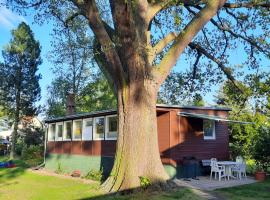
<point x="144" y="182"/>
<point x="235" y="150"/>
<point x="260" y="148"/>
<point x="20" y="145"/>
<point x="32" y="155"/>
<point x="59" y="169"/>
<point x="95" y="175"/>
<point x="251" y="166"/>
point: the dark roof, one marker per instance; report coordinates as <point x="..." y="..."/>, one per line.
<point x="211" y="117"/>
<point x="113" y="111"/>
<point x="194" y="107"/>
<point x="82" y="115"/>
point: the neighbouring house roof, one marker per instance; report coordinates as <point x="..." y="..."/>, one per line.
<point x="210" y="117"/>
<point x="30" y="122"/>
<point x="113" y="111"/>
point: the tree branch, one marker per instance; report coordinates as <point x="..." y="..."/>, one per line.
<point x="114" y="66"/>
<point x="251" y="4"/>
<point x="158" y="48"/>
<point x="236" y="35"/>
<point x="223" y="68"/>
<point x="155" y="8"/>
<point x="185" y="37"/>
<point x="70" y="18"/>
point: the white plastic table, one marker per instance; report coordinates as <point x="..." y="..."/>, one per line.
<point x="228" y="168"/>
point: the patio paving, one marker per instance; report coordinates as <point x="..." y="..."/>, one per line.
<point x="204" y="183"/>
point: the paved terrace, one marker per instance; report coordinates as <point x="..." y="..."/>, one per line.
<point x="204" y="183"/>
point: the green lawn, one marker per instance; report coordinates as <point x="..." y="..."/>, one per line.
<point x="258" y="191"/>
<point x="20" y="183"/>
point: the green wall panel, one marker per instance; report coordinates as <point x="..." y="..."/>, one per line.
<point x="83" y="163"/>
<point x="71" y="162"/>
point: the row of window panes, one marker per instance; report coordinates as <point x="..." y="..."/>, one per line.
<point x="86" y="129"/>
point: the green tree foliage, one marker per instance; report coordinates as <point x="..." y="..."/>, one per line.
<point x="181" y="89"/>
<point x="249" y="101"/>
<point x="97" y="95"/>
<point x="72" y="65"/>
<point x="19" y="85"/>
<point x="260" y="147"/>
<point x="56" y="102"/>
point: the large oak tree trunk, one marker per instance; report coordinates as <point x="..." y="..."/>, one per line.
<point x="137" y="152"/>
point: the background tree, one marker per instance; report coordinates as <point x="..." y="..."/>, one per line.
<point x="19" y="86"/>
<point x="249" y="102"/>
<point x="72" y="63"/>
<point x="139" y="42"/>
<point x="182" y="89"/>
<point x="95" y="95"/>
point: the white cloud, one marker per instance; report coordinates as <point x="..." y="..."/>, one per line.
<point x="8" y="19"/>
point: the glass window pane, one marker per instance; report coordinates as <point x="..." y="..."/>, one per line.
<point x="112" y="124"/>
<point x="100" y="125"/>
<point x="68" y="130"/>
<point x="52" y="128"/>
<point x="87" y="129"/>
<point x="89" y="123"/>
<point x="99" y="128"/>
<point x="111" y="129"/>
<point x="59" y="130"/>
<point x="77" y="129"/>
<point x="208" y="128"/>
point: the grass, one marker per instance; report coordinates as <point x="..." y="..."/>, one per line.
<point x="258" y="191"/>
<point x="20" y="183"/>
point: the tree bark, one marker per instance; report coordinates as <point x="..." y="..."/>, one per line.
<point x="137" y="152"/>
<point x="16" y="123"/>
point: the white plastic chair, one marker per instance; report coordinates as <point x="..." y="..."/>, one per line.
<point x="240" y="168"/>
<point x="220" y="170"/>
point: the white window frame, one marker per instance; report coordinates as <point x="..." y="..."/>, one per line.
<point x="94" y="128"/>
<point x="107" y="128"/>
<point x="65" y="129"/>
<point x="56" y="131"/>
<point x="213" y="137"/>
<point x="49" y="132"/>
<point x="73" y="129"/>
<point x="84" y="122"/>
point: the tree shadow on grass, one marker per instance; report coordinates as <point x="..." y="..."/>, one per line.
<point x="171" y="191"/>
<point x="8" y="174"/>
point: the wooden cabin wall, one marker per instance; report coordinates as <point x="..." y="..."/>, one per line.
<point x="177" y="137"/>
<point x="187" y="139"/>
<point x="94" y="148"/>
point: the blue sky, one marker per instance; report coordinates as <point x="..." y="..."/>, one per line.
<point x="10" y="20"/>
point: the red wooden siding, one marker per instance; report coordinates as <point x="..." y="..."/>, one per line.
<point x="105" y="148"/>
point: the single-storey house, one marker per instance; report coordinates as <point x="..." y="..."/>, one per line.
<point x="88" y="141"/>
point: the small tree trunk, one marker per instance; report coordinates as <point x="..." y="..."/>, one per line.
<point x="139" y="157"/>
<point x="14" y="135"/>
<point x="16" y="122"/>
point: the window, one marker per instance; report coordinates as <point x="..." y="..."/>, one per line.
<point x="77" y="129"/>
<point x="59" y="131"/>
<point x="111" y="127"/>
<point x="209" y="130"/>
<point x="51" y="132"/>
<point x="87" y="129"/>
<point x="99" y="128"/>
<point x="67" y="130"/>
